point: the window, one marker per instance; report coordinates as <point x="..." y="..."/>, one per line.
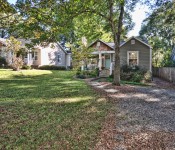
<point x="35" y="55"/>
<point x="59" y="57"/>
<point x="25" y="55"/>
<point x="133" y="58"/>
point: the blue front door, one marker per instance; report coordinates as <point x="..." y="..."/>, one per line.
<point x="107" y="63"/>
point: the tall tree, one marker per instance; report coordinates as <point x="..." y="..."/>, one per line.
<point x="7" y="17"/>
<point x="159" y="29"/>
<point x="5" y="7"/>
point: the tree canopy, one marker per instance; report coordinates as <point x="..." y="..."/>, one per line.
<point x="159" y="29"/>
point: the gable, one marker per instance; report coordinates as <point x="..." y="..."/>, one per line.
<point x="135" y="41"/>
<point x="102" y="46"/>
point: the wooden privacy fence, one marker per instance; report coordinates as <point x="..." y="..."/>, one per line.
<point x="167" y="73"/>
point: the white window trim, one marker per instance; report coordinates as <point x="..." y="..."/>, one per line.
<point x="137" y="57"/>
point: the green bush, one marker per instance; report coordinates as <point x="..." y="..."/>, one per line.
<point x="81" y="76"/>
<point x="137" y="77"/>
<point x="78" y="72"/>
<point x="2" y="62"/>
<point x="148" y="76"/>
<point x="136" y="74"/>
<point x="26" y="67"/>
<point x="51" y="67"/>
<point x="34" y="66"/>
<point x="126" y="76"/>
<point x="87" y="73"/>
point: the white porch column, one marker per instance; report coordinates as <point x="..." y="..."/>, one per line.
<point x="100" y="61"/>
<point x="111" y="66"/>
<point x="82" y="67"/>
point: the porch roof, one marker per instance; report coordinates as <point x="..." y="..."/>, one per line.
<point x="103" y="52"/>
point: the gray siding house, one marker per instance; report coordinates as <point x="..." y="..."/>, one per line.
<point x="133" y="52"/>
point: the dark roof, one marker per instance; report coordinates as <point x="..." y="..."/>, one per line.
<point x="111" y="44"/>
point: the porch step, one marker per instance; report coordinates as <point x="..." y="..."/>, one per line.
<point x="104" y="73"/>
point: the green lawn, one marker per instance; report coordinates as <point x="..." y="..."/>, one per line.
<point x="48" y="110"/>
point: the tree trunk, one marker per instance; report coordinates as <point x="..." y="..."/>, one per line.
<point x="117" y="48"/>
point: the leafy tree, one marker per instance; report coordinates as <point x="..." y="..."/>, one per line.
<point x="7" y="17"/>
<point x="81" y="53"/>
<point x="15" y="48"/>
<point x="159" y="29"/>
<point x="7" y="22"/>
<point x="5" y="7"/>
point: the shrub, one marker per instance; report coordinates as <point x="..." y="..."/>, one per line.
<point x="137" y="77"/>
<point x="126" y="76"/>
<point x="87" y="73"/>
<point x="3" y="62"/>
<point x="17" y="63"/>
<point x="81" y="76"/>
<point x="34" y="66"/>
<point x="126" y="68"/>
<point x="148" y="76"/>
<point x="97" y="71"/>
<point x="135" y="74"/>
<point x="26" y="67"/>
<point x="51" y="67"/>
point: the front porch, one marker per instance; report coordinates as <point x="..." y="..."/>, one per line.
<point x="104" y="60"/>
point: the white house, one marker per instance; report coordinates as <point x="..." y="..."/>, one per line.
<point x="50" y="54"/>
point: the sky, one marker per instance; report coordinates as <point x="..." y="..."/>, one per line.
<point x="12" y="1"/>
<point x="138" y="16"/>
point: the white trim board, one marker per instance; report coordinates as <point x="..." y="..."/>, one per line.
<point x="103" y="52"/>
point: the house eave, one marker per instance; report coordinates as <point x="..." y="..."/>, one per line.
<point x="102" y="52"/>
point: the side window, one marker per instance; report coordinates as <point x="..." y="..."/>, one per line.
<point x="25" y="55"/>
<point x="59" y="57"/>
<point x="35" y="55"/>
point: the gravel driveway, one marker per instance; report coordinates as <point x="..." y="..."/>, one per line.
<point x="147" y="107"/>
<point x="145" y="116"/>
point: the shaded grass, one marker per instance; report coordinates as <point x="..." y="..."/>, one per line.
<point x="48" y="110"/>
